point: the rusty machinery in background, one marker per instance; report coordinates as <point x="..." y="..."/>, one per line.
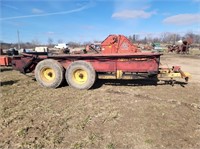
<point x="182" y="46"/>
<point x="116" y="58"/>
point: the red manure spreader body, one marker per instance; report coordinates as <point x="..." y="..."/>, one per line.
<point x="116" y="58"/>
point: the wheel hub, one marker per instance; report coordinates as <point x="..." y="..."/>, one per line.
<point x="48" y="74"/>
<point x="80" y="76"/>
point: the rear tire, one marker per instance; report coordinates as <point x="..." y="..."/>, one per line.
<point x="49" y="73"/>
<point x="80" y="75"/>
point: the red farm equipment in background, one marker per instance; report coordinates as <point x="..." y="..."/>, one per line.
<point x="5" y="60"/>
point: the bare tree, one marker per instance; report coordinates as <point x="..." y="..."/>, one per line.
<point x="50" y="41"/>
<point x="135" y="38"/>
<point x="130" y="38"/>
<point x="194" y="37"/>
<point x="97" y="41"/>
<point x="169" y="37"/>
<point x="149" y="38"/>
<point x="60" y="41"/>
<point x="35" y="42"/>
<point x="156" y="39"/>
<point x="73" y="44"/>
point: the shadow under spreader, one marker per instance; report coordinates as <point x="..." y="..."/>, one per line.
<point x="2" y="69"/>
<point x="137" y="82"/>
<point x="11" y="82"/>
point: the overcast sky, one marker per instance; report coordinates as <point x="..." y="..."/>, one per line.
<point x="88" y="20"/>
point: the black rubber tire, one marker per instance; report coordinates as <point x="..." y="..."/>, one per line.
<point x="57" y="69"/>
<point x="83" y="66"/>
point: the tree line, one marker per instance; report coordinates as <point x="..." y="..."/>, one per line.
<point x="165" y="38"/>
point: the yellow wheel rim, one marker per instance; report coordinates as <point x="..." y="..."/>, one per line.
<point x="48" y="74"/>
<point x="80" y="76"/>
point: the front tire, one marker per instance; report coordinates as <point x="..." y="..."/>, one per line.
<point x="49" y="73"/>
<point x="80" y="75"/>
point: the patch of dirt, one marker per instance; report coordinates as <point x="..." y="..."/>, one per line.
<point x="115" y="114"/>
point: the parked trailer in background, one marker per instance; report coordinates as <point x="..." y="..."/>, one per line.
<point x="117" y="58"/>
<point x="41" y="49"/>
<point x="61" y="46"/>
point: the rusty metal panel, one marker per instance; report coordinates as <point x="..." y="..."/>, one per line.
<point x="118" y="44"/>
<point x="104" y="66"/>
<point x="100" y="65"/>
<point x="5" y="60"/>
<point x="137" y="65"/>
<point x="24" y="64"/>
